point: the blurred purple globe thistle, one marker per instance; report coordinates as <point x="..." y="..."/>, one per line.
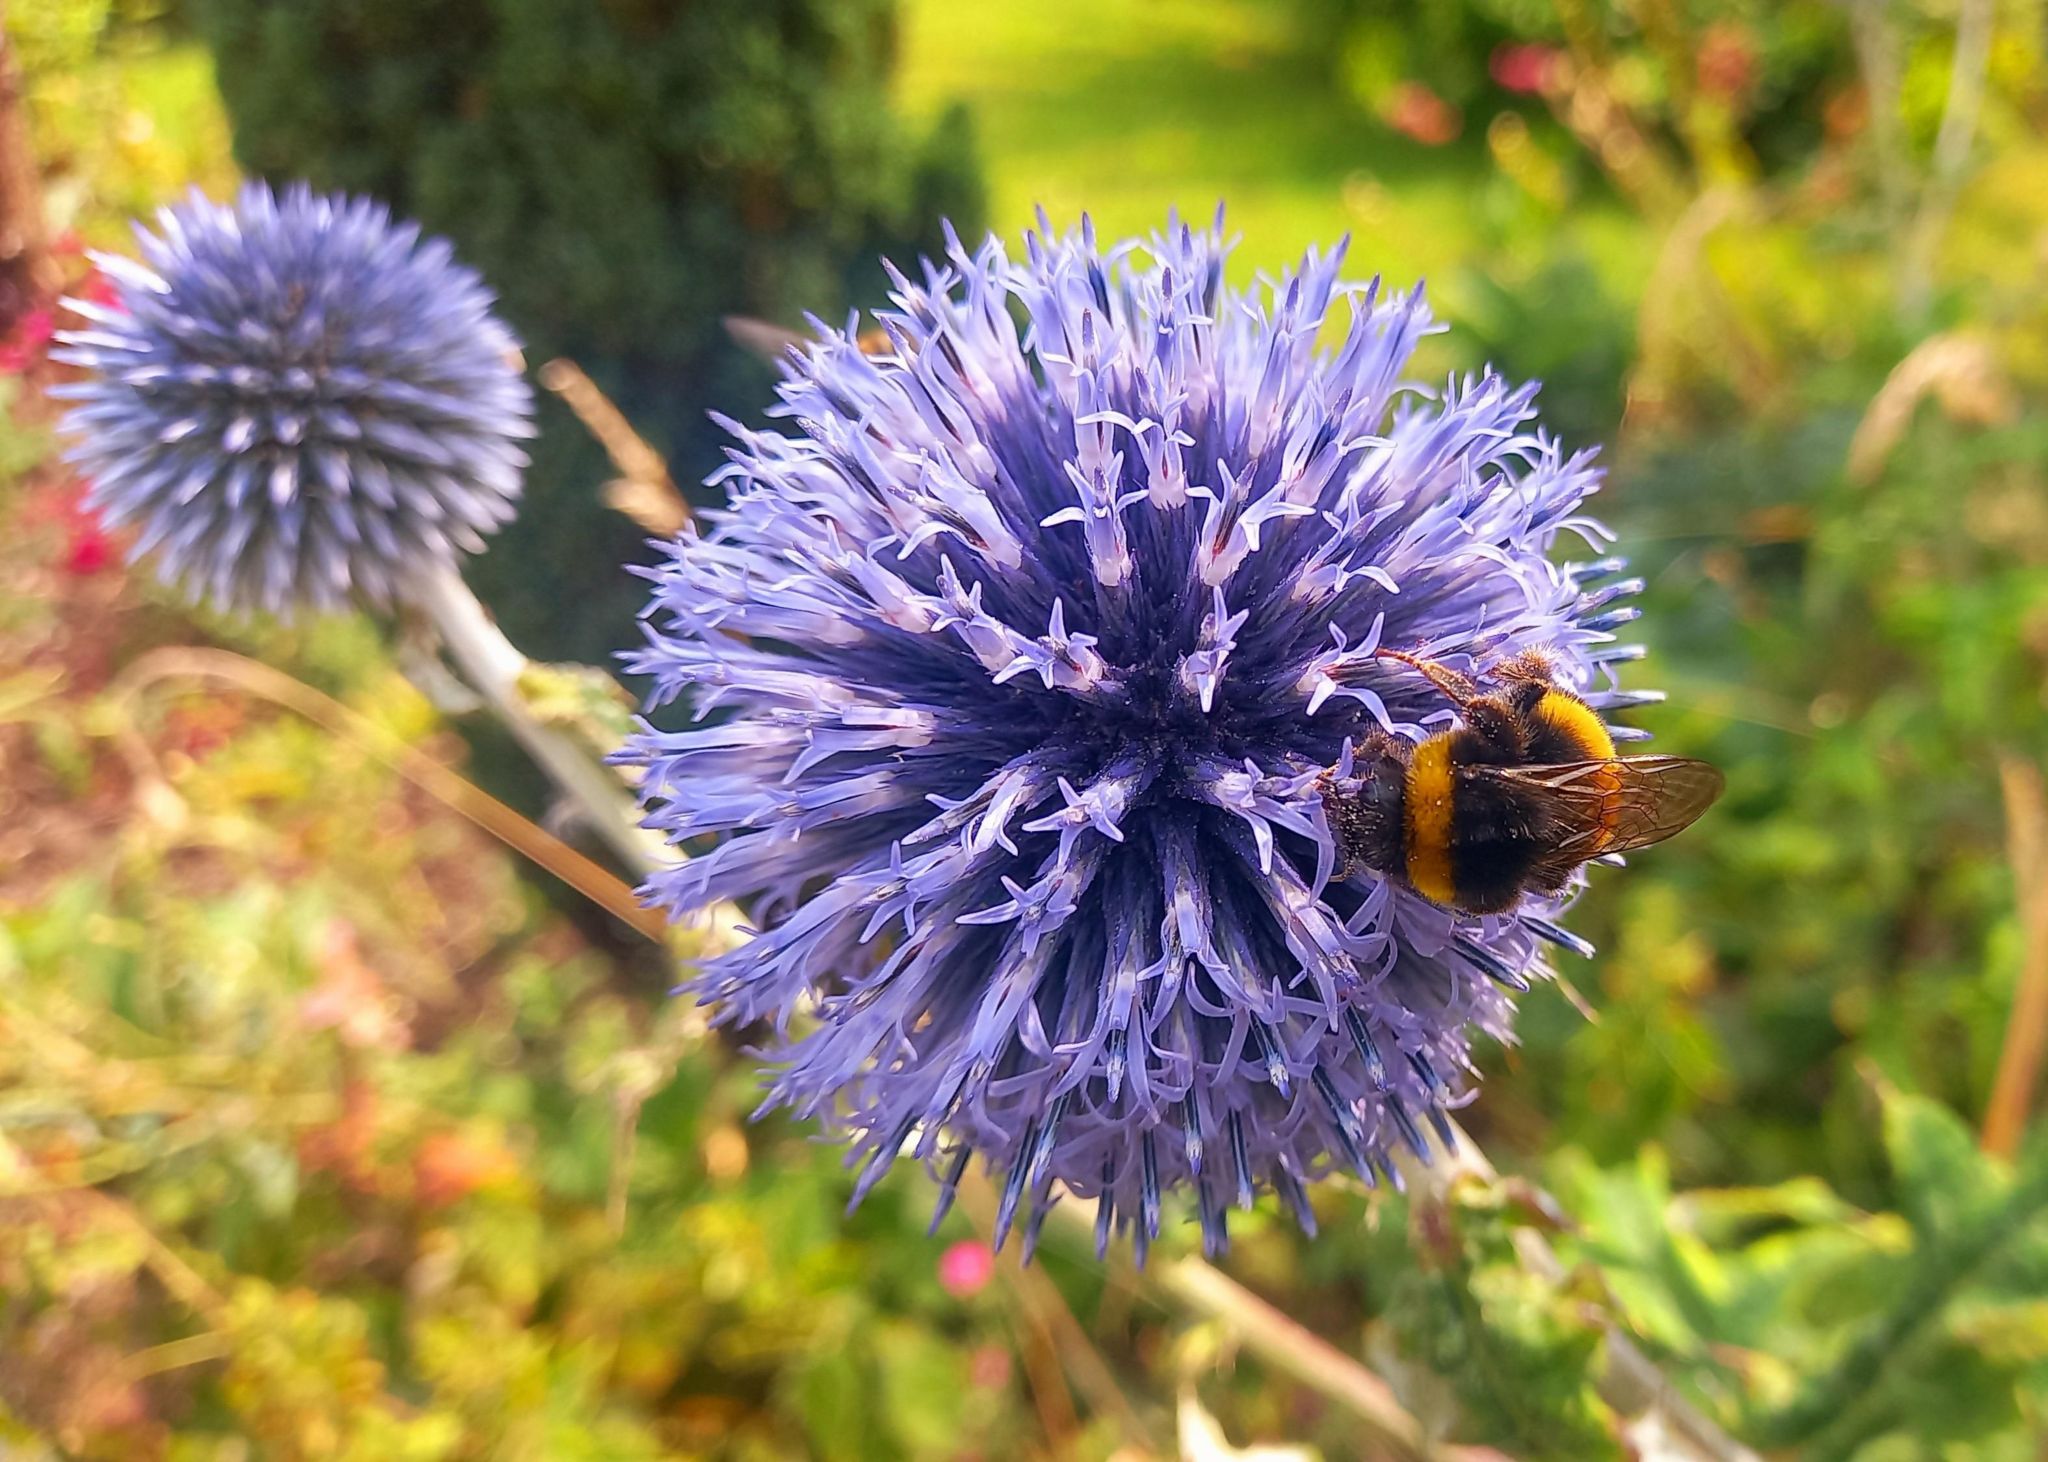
<point x="296" y="399"/>
<point x="1033" y="649"/>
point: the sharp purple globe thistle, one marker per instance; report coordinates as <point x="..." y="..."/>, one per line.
<point x="296" y="399"/>
<point x="1016" y="659"/>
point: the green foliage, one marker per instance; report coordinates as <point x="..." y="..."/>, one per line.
<point x="379" y="1115"/>
<point x="1840" y="1326"/>
<point x="121" y="118"/>
<point x="1517" y="1351"/>
<point x="624" y="175"/>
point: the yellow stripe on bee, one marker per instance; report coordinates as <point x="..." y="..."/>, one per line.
<point x="1426" y="820"/>
<point x="1578" y="722"/>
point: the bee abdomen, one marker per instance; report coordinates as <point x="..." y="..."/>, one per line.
<point x="1496" y="843"/>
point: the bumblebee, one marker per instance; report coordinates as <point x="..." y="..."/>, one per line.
<point x="1515" y="800"/>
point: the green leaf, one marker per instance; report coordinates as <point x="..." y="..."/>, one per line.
<point x="836" y="1399"/>
<point x="1944" y="1179"/>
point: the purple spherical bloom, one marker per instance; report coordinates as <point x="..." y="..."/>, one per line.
<point x="1016" y="657"/>
<point x="295" y="400"/>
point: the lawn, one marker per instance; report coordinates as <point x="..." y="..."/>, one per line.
<point x="1127" y="108"/>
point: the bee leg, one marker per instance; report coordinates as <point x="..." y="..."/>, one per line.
<point x="1552" y="876"/>
<point x="1336" y="814"/>
<point x="1379" y="746"/>
<point x="1459" y="688"/>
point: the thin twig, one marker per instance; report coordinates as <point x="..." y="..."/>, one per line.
<point x="594" y="882"/>
<point x="191" y="1289"/>
<point x="1049" y="1394"/>
<point x="175" y="1355"/>
<point x="1291" y="1347"/>
<point x="1877" y="56"/>
<point x="1967" y="68"/>
<point x="1047" y="1309"/>
<point x="1288" y="1347"/>
<point x="1961" y="371"/>
<point x="27" y="273"/>
<point x="643" y="491"/>
<point x="2026" y="1030"/>
<point x="184" y="1283"/>
<point x="493" y="665"/>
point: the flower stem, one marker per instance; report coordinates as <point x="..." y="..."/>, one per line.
<point x="1290" y="1347"/>
<point x="1287" y="1345"/>
<point x="2026" y="1031"/>
<point x="493" y="666"/>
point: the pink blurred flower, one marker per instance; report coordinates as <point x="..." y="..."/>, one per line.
<point x="1524" y="66"/>
<point x="97" y="289"/>
<point x="1415" y="111"/>
<point x="350" y="999"/>
<point x="966" y="1268"/>
<point x="27" y="341"/>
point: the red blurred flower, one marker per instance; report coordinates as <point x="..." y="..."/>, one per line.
<point x="1415" y="111"/>
<point x="449" y="1166"/>
<point x="1727" y="63"/>
<point x="966" y="1268"/>
<point x="1525" y="66"/>
<point x="59" y="502"/>
<point x="89" y="547"/>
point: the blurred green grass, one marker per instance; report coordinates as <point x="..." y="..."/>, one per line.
<point x="1128" y="108"/>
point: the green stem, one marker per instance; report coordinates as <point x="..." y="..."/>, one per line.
<point x="492" y="665"/>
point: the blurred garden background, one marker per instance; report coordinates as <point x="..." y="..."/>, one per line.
<point x="330" y="1128"/>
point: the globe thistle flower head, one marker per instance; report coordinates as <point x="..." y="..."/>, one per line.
<point x="1017" y="657"/>
<point x="294" y="400"/>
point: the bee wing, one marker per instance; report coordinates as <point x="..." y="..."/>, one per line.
<point x="1622" y="802"/>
